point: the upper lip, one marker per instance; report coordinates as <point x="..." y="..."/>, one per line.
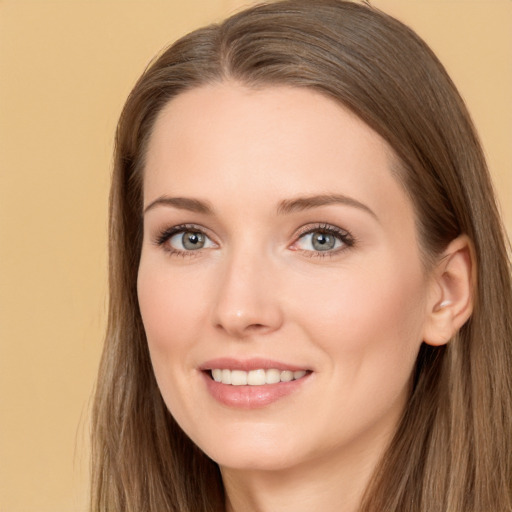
<point x="229" y="363"/>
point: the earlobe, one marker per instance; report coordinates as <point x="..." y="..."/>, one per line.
<point x="450" y="302"/>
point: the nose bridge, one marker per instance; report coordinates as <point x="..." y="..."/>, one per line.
<point x="247" y="303"/>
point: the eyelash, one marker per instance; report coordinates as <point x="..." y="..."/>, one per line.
<point x="342" y="235"/>
<point x="167" y="234"/>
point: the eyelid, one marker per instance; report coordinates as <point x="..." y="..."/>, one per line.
<point x="163" y="236"/>
<point x="346" y="238"/>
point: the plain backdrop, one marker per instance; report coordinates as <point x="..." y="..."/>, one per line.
<point x="65" y="69"/>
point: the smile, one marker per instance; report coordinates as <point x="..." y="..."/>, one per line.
<point x="259" y="377"/>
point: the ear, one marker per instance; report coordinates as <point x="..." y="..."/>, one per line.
<point x="452" y="285"/>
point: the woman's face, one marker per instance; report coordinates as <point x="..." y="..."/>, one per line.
<point x="278" y="245"/>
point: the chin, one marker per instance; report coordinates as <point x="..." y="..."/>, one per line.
<point x="256" y="460"/>
<point x="256" y="451"/>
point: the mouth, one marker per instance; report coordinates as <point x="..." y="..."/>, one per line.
<point x="257" y="377"/>
<point x="252" y="383"/>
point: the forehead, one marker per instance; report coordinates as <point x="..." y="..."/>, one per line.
<point x="283" y="126"/>
<point x="242" y="147"/>
<point x="262" y="111"/>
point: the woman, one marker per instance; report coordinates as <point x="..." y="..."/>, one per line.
<point x="310" y="293"/>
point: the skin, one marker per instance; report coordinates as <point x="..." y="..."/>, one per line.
<point x="354" y="316"/>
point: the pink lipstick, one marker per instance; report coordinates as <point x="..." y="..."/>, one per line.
<point x="252" y="383"/>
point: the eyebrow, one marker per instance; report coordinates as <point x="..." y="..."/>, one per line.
<point x="305" y="203"/>
<point x="182" y="203"/>
<point x="285" y="207"/>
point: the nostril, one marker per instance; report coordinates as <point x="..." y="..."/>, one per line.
<point x="255" y="327"/>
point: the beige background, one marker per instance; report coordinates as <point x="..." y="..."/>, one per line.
<point x="65" y="70"/>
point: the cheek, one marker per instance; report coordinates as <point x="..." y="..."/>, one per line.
<point x="370" y="331"/>
<point x="170" y="306"/>
<point x="170" y="310"/>
<point x="369" y="317"/>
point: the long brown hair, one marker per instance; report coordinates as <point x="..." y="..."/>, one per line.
<point x="453" y="448"/>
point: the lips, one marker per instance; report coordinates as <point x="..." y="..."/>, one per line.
<point x="255" y="363"/>
<point x="252" y="383"/>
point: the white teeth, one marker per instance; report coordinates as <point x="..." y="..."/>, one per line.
<point x="238" y="377"/>
<point x="272" y="376"/>
<point x="286" y="376"/>
<point x="226" y="376"/>
<point x="255" y="377"/>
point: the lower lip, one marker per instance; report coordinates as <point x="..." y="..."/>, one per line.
<point x="251" y="397"/>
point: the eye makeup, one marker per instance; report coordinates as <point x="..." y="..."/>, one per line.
<point x="193" y="240"/>
<point x="312" y="240"/>
<point x="325" y="240"/>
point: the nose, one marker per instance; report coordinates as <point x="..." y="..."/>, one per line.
<point x="247" y="300"/>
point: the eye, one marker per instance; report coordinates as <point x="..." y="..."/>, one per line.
<point x="184" y="239"/>
<point x="323" y="239"/>
<point x="188" y="241"/>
